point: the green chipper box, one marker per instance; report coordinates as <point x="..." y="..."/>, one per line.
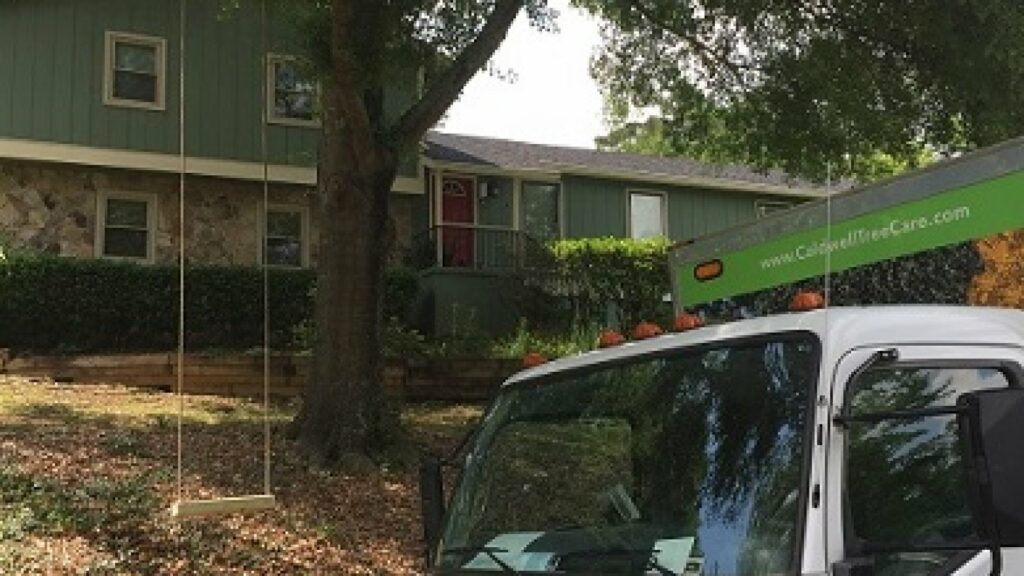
<point x="948" y="234"/>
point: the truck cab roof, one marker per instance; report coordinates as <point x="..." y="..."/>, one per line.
<point x="840" y="329"/>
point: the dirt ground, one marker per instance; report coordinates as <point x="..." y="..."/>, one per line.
<point x="88" y="473"/>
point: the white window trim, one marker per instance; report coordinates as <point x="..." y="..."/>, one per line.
<point x="261" y="233"/>
<point x="271" y="87"/>
<point x="151" y="223"/>
<point x="110" y="39"/>
<point x="764" y="208"/>
<point x="645" y="192"/>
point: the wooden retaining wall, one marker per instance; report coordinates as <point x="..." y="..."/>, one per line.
<point x="242" y="374"/>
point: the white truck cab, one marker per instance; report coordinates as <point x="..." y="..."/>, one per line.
<point x="876" y="441"/>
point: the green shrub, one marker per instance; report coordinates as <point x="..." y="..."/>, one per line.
<point x="550" y="344"/>
<point x="628" y="277"/>
<point x="51" y="304"/>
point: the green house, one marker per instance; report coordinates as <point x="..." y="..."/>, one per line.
<point x="491" y="200"/>
<point x="93" y="138"/>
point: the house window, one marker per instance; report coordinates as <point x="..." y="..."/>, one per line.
<point x="646" y="215"/>
<point x="292" y="92"/>
<point x="284" y="242"/>
<point x="135" y="71"/>
<point x="763" y="208"/>
<point x="126" y="226"/>
<point x="539" y="205"/>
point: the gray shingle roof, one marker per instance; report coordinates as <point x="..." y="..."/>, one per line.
<point x="522" y="156"/>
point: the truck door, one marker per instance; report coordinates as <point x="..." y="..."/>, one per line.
<point x="898" y="502"/>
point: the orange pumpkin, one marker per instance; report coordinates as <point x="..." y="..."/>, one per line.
<point x="609" y="338"/>
<point x="533" y="359"/>
<point x="684" y="322"/>
<point x="806" y="300"/>
<point x="646" y="330"/>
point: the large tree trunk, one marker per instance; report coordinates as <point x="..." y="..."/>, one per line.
<point x="344" y="410"/>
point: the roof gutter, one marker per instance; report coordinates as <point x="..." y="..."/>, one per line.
<point x="557" y="170"/>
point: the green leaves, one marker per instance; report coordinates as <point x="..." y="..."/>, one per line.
<point x="866" y="87"/>
<point x="51" y="304"/>
<point x="630" y="275"/>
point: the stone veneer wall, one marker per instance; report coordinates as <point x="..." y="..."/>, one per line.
<point x="51" y="208"/>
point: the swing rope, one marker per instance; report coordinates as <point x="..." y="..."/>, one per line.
<point x="266" y="274"/>
<point x="181" y="239"/>
<point x="195" y="508"/>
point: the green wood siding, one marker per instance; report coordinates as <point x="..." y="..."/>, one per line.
<point x="694" y="212"/>
<point x="52" y="66"/>
<point x="594" y="207"/>
<point x="598" y="207"/>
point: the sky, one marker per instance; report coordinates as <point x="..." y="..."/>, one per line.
<point x="553" y="99"/>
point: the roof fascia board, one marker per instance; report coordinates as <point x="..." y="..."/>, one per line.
<point x="557" y="170"/>
<point x="695" y="181"/>
<point x="491" y="170"/>
<point x="36" y="151"/>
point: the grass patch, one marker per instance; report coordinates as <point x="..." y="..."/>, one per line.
<point x="33" y="505"/>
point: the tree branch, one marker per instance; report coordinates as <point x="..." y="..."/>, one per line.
<point x="708" y="54"/>
<point x="439" y="96"/>
<point x="345" y="93"/>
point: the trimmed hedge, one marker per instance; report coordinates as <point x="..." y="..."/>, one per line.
<point x="50" y="304"/>
<point x="629" y="277"/>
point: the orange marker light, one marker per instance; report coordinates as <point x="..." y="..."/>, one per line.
<point x="804" y="301"/>
<point x="610" y="338"/>
<point x="708" y="270"/>
<point x="645" y="330"/>
<point x="684" y="322"/>
<point x="533" y="359"/>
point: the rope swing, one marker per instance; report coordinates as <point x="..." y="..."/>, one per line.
<point x="182" y="508"/>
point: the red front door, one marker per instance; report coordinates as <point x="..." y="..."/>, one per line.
<point x="458" y="195"/>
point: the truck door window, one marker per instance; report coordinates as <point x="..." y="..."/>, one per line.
<point x="905" y="478"/>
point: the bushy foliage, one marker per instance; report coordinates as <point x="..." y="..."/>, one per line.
<point x="939" y="276"/>
<point x="524" y="341"/>
<point x="600" y="276"/>
<point x="847" y="88"/>
<point x="51" y="304"/>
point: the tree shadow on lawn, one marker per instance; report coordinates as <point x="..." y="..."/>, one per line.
<point x="111" y="480"/>
<point x="117" y="517"/>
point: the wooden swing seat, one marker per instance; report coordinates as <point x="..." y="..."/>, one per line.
<point x="184" y="509"/>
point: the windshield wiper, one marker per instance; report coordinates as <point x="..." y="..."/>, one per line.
<point x="649" y="555"/>
<point x="489" y="551"/>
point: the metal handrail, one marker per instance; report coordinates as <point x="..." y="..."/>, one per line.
<point x="467" y="226"/>
<point x="475" y="247"/>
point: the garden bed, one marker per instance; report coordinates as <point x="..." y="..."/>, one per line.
<point x="241" y="375"/>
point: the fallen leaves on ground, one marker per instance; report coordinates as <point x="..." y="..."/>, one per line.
<point x="88" y="474"/>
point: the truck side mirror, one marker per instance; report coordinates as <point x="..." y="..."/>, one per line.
<point x="992" y="436"/>
<point x="431" y="504"/>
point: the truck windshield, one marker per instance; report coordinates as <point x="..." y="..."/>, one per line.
<point x="683" y="463"/>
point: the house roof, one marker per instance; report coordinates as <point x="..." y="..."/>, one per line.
<point x="522" y="157"/>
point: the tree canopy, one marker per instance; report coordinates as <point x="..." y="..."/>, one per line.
<point x="444" y="41"/>
<point x="868" y="86"/>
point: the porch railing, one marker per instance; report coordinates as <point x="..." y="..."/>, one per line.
<point x="475" y="247"/>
